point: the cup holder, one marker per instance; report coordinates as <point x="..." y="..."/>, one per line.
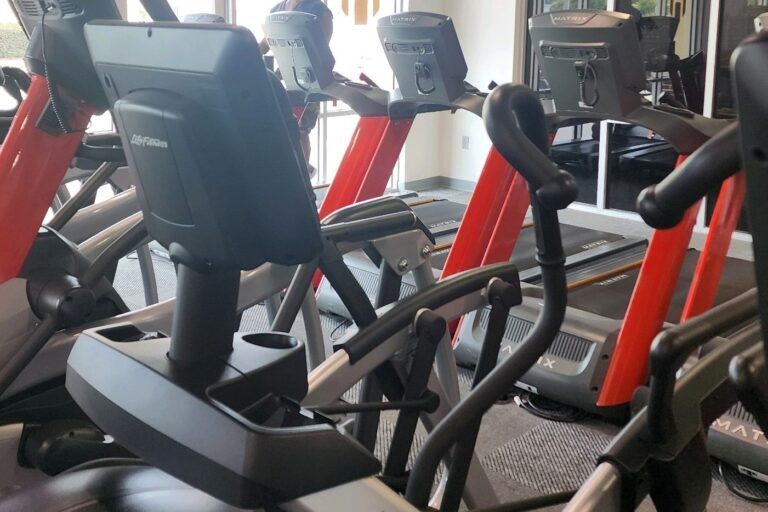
<point x="273" y="340"/>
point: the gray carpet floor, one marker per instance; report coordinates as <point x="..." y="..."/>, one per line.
<point x="524" y="455"/>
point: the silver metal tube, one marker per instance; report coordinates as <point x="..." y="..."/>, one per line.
<point x="148" y="279"/>
<point x="445" y="360"/>
<point x="601" y="492"/>
<point x="318" y="348"/>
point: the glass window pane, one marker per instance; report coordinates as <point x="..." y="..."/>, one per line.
<point x="355" y="43"/>
<point x="339" y="133"/>
<point x="638" y="158"/>
<point x="577" y="150"/>
<point x="736" y="23"/>
<point x="251" y="14"/>
<point x="560" y="5"/>
<point x="13" y="43"/>
<point x="182" y="8"/>
<point x="647" y="7"/>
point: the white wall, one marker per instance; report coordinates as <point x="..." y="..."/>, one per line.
<point x="488" y="31"/>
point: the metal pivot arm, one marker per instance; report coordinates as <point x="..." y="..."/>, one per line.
<point x="501" y="297"/>
<point x="367" y="425"/>
<point x="673" y="346"/>
<point x="401" y="315"/>
<point x="430" y="329"/>
<point x="84" y="195"/>
<point x="101" y="153"/>
<point x="663" y="206"/>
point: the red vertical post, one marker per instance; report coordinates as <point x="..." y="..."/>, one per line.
<point x="366" y="166"/>
<point x="380" y="169"/>
<point x="647" y="309"/>
<point x="709" y="268"/>
<point x="32" y="164"/>
<point x="509" y="223"/>
<point x="360" y="152"/>
<point x="480" y="218"/>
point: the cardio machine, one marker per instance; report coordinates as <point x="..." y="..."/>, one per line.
<point x="592" y="61"/>
<point x="426" y="57"/>
<point x="735" y="437"/>
<point x="249" y="417"/>
<point x="35" y="353"/>
<point x="664" y="451"/>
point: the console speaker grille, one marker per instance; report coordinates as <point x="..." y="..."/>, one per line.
<point x="565" y="346"/>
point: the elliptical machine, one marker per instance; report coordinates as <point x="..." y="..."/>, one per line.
<point x="243" y="395"/>
<point x="593" y="62"/>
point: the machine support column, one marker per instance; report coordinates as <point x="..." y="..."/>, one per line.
<point x="647" y="309"/>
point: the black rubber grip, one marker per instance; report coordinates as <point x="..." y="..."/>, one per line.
<point x="516" y="124"/>
<point x="433" y="297"/>
<point x="663" y="206"/>
<point x="101" y="153"/>
<point x="672" y="347"/>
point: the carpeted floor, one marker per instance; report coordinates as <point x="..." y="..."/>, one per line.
<point x="524" y="455"/>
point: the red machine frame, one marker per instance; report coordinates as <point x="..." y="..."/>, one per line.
<point x="32" y="164"/>
<point x="656" y="283"/>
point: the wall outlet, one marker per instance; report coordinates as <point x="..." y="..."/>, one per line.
<point x="465" y="142"/>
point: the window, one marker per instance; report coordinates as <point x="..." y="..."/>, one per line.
<point x="737" y="21"/>
<point x="182" y="8"/>
<point x="356" y="48"/>
<point x="13" y="43"/>
<point x="251" y="14"/>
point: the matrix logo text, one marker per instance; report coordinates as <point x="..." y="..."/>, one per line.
<point x="403" y="20"/>
<point x="570" y="18"/>
<point x="148" y="142"/>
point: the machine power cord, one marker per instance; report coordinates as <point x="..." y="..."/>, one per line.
<point x="589" y="70"/>
<point x="345" y="324"/>
<point x="733" y="487"/>
<point x="548" y="409"/>
<point x="52" y="89"/>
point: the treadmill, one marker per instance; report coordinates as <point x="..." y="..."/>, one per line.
<point x="306" y="65"/>
<point x="586" y="55"/>
<point x="429" y="65"/>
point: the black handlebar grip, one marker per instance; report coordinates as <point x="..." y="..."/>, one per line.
<point x="516" y="124"/>
<point x="663" y="206"/>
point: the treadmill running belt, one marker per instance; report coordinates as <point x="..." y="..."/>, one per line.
<point x="440" y="215"/>
<point x="575" y="240"/>
<point x="611" y="297"/>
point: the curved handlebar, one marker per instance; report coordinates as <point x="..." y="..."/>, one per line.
<point x="663" y="206"/>
<point x="100" y="153"/>
<point x="516" y="123"/>
<point x="673" y="346"/>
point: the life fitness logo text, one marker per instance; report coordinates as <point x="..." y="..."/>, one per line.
<point x="143" y="141"/>
<point x="359" y="9"/>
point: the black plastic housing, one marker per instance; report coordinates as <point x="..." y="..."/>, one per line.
<point x="424" y="47"/>
<point x="297" y="38"/>
<point x="302" y="53"/>
<point x="209" y="143"/>
<point x="66" y="53"/>
<point x="231" y="427"/>
<point x="608" y="41"/>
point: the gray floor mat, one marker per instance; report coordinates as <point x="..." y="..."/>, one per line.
<point x="551" y="457"/>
